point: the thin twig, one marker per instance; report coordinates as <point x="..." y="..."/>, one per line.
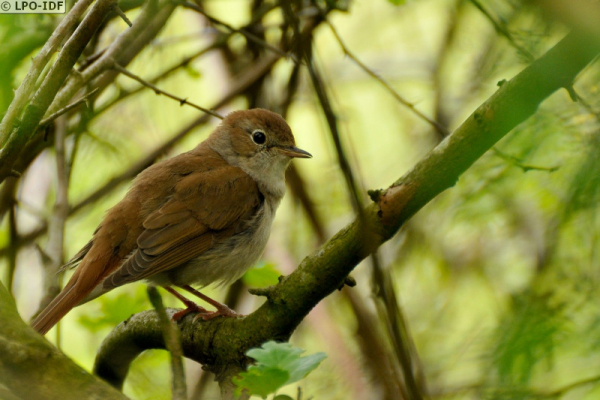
<point x="123" y="94"/>
<point x="335" y="135"/>
<point x="561" y="391"/>
<point x="442" y="130"/>
<point x="390" y="311"/>
<point x="250" y="36"/>
<point x="172" y="340"/>
<point x="501" y="29"/>
<point x="53" y="252"/>
<point x="158" y="91"/>
<point x="383" y="289"/>
<point x="68" y="108"/>
<point x="293" y="177"/>
<point x="121" y="14"/>
<point x="519" y="164"/>
<point x="305" y="52"/>
<point x="184" y="62"/>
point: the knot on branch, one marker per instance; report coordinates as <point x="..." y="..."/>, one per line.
<point x="349" y="281"/>
<point x="265" y="292"/>
<point x="392" y="203"/>
<point x="375" y="194"/>
<point x="269" y="291"/>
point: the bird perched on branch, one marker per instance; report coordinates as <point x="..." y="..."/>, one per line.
<point x="198" y="218"/>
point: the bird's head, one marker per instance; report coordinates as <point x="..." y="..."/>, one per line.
<point x="258" y="141"/>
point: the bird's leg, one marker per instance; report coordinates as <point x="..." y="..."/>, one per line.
<point x="190" y="305"/>
<point x="222" y="309"/>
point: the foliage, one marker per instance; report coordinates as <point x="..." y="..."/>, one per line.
<point x="277" y="365"/>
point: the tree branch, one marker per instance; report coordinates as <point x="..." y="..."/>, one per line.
<point x="158" y="91"/>
<point x="173" y="343"/>
<point x="436" y="125"/>
<point x="32" y="368"/>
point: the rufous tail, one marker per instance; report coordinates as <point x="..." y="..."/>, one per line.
<point x="68" y="298"/>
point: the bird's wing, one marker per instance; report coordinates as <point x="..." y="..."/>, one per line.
<point x="204" y="209"/>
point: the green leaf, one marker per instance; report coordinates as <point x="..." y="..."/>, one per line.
<point x="262" y="275"/>
<point x="282" y="397"/>
<point x="261" y="381"/>
<point x="277" y="365"/>
<point x="397" y="2"/>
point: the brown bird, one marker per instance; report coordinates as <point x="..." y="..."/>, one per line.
<point x="198" y="218"/>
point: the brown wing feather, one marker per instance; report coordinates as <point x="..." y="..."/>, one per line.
<point x="204" y="209"/>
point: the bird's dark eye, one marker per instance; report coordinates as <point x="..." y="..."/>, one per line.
<point x="259" y="137"/>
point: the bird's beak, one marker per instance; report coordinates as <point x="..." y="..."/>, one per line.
<point x="294" y="152"/>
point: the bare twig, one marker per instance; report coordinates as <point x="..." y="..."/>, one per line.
<point x="243" y="31"/>
<point x="442" y="130"/>
<point x="293" y="177"/>
<point x="173" y="344"/>
<point x="501" y="29"/>
<point x="305" y="52"/>
<point x="123" y="94"/>
<point x="184" y="62"/>
<point x="390" y="311"/>
<point x="68" y="108"/>
<point x="121" y="14"/>
<point x="26" y="88"/>
<point x="56" y="227"/>
<point x="519" y="164"/>
<point x="158" y="91"/>
<point x="335" y="135"/>
<point x="441" y="114"/>
<point x="561" y="391"/>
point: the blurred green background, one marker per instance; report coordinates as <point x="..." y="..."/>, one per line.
<point x="497" y="277"/>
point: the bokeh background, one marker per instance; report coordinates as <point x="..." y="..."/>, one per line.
<point x="497" y="278"/>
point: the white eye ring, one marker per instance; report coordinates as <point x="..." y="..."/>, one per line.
<point x="259" y="137"/>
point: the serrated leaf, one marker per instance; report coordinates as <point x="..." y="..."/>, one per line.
<point x="272" y="358"/>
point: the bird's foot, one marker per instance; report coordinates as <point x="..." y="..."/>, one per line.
<point x="191" y="307"/>
<point x="222" y="311"/>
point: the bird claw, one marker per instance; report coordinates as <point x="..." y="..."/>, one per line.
<point x="223" y="311"/>
<point x="191" y="308"/>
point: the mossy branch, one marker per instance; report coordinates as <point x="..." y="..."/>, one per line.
<point x="32" y="368"/>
